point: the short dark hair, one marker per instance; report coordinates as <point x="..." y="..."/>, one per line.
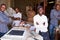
<point x="3" y="4"/>
<point x="39" y="7"/>
<point x="56" y="5"/>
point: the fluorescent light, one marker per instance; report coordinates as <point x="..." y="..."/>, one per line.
<point x="51" y="2"/>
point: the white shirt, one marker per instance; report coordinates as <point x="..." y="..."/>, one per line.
<point x="17" y="22"/>
<point x="42" y="23"/>
<point x="17" y="15"/>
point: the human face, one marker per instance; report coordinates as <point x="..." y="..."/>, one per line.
<point x="40" y="11"/>
<point x="17" y="10"/>
<point x="58" y="7"/>
<point x="3" y="8"/>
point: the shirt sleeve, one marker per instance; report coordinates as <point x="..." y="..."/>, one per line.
<point x="20" y="15"/>
<point x="34" y="19"/>
<point x="58" y="16"/>
<point x="46" y="22"/>
<point x="4" y="19"/>
<point x="52" y="14"/>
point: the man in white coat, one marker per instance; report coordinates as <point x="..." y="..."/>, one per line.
<point x="17" y="17"/>
<point x="41" y="23"/>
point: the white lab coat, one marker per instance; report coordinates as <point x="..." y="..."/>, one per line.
<point x="42" y="23"/>
<point x="17" y="22"/>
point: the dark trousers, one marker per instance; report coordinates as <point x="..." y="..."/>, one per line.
<point x="45" y="35"/>
<point x="1" y="34"/>
<point x="51" y="31"/>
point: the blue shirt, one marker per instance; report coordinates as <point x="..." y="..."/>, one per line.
<point x="4" y="20"/>
<point x="54" y="16"/>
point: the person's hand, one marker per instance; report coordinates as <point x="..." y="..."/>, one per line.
<point x="44" y="23"/>
<point x="58" y="15"/>
<point x="37" y="23"/>
<point x="16" y="18"/>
